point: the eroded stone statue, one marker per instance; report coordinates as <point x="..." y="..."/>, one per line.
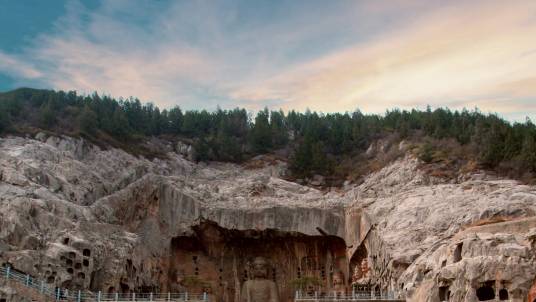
<point x="361" y="273"/>
<point x="260" y="288"/>
<point x="338" y="283"/>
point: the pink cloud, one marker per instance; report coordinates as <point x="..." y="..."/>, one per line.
<point x="449" y="54"/>
<point x="16" y="66"/>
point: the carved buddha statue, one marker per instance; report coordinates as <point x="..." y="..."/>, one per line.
<point x="361" y="273"/>
<point x="260" y="288"/>
<point x="357" y="273"/>
<point x="338" y="283"/>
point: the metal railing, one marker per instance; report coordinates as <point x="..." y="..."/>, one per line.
<point x="354" y="296"/>
<point x="60" y="294"/>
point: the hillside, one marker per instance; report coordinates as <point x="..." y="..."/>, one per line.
<point x="332" y="147"/>
<point x="83" y="217"/>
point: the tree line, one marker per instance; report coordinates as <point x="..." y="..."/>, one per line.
<point x="317" y="141"/>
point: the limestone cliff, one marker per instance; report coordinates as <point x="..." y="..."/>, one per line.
<point x="82" y="217"/>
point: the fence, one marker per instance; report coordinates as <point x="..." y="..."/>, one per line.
<point x="59" y="294"/>
<point x="355" y="296"/>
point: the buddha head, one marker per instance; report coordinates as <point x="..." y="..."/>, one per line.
<point x="364" y="266"/>
<point x="260" y="268"/>
<point x="338" y="279"/>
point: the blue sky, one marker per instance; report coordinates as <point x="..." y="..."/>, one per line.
<point x="323" y="55"/>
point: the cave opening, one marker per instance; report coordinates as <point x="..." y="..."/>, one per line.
<point x="486" y="292"/>
<point x="125" y="289"/>
<point x="360" y="270"/>
<point x="457" y="257"/>
<point x="219" y="261"/>
<point x="503" y="294"/>
<point x="444" y="293"/>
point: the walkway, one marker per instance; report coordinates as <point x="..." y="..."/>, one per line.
<point x="38" y="290"/>
<point x="355" y="296"/>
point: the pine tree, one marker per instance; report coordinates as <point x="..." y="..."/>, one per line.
<point x="155" y="122"/>
<point x="261" y="134"/>
<point x="319" y="162"/>
<point x="278" y="128"/>
<point x="87" y="121"/>
<point x="491" y="143"/>
<point x="119" y="125"/>
<point x="528" y="152"/>
<point x="4" y="120"/>
<point x="426" y="152"/>
<point x="227" y="148"/>
<point x="47" y="117"/>
<point x="301" y="162"/>
<point x="175" y="118"/>
<point x="202" y="150"/>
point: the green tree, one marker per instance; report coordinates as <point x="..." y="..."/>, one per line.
<point x="528" y="152"/>
<point x="175" y="117"/>
<point x="261" y="134"/>
<point x="278" y="127"/>
<point x="426" y="152"/>
<point x="300" y="162"/>
<point x="4" y="120"/>
<point x="47" y="116"/>
<point x="227" y="148"/>
<point x="202" y="150"/>
<point x="319" y="162"/>
<point x="119" y="127"/>
<point x="490" y="140"/>
<point x="87" y="121"/>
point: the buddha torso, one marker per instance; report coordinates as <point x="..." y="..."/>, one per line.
<point x="259" y="290"/>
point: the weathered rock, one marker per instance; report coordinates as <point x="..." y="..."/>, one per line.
<point x="82" y="217"/>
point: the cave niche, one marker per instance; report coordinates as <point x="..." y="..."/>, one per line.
<point x="457" y="257"/>
<point x="217" y="260"/>
<point x="444" y="293"/>
<point x="486" y="292"/>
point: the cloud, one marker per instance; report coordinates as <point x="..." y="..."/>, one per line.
<point x="368" y="54"/>
<point x="17" y="67"/>
<point x="188" y="53"/>
<point x="448" y="55"/>
<point x="109" y="56"/>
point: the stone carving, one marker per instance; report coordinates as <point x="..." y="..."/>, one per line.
<point x="260" y="288"/>
<point x="357" y="274"/>
<point x="361" y="273"/>
<point x="338" y="283"/>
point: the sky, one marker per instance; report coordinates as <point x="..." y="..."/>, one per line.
<point x="328" y="56"/>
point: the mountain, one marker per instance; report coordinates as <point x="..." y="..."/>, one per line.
<point x="87" y="217"/>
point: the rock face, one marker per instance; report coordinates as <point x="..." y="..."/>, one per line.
<point x="468" y="241"/>
<point x="81" y="217"/>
